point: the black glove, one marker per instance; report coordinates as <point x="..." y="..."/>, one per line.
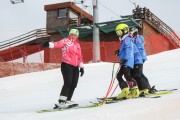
<point x="81" y="71"/>
<point x="143" y="60"/>
<point x="44" y="44"/>
<point x="122" y="61"/>
<point x="116" y="52"/>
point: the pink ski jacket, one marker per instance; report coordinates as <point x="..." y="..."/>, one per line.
<point x="71" y="51"/>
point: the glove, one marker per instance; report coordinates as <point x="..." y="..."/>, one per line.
<point x="143" y="60"/>
<point x="81" y="71"/>
<point x="116" y="52"/>
<point x="44" y="44"/>
<point x="122" y="61"/>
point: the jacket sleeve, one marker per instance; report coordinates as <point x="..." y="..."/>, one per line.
<point x="80" y="58"/>
<point x="58" y="44"/>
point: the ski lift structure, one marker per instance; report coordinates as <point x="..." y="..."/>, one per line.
<point x="84" y="6"/>
<point x="133" y="3"/>
<point x="79" y="1"/>
<point x="16" y="1"/>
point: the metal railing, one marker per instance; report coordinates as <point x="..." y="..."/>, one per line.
<point x="156" y="23"/>
<point x="24" y="38"/>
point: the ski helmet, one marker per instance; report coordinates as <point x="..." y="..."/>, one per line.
<point x="122" y="29"/>
<point x="74" y="31"/>
<point x="134" y="31"/>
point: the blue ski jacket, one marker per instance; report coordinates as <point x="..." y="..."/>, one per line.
<point x="139" y="42"/>
<point x="127" y="50"/>
<point x="137" y="56"/>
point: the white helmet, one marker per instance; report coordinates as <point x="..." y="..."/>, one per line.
<point x="74" y="31"/>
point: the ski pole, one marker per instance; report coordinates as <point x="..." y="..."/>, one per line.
<point x="110" y="86"/>
<point x="114" y="89"/>
<point x="112" y="80"/>
<point x="117" y="83"/>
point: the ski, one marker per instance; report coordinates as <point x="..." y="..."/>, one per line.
<point x="109" y="100"/>
<point x="73" y="106"/>
<point x="115" y="100"/>
<point x="153" y="89"/>
<point x="92" y="105"/>
<point x="155" y="94"/>
<point x="168" y="90"/>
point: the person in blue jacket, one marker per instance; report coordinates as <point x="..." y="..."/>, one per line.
<point x="139" y="58"/>
<point x="126" y="57"/>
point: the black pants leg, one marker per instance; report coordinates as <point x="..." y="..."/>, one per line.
<point x="70" y="77"/>
<point x="127" y="74"/>
<point x="137" y="74"/>
<point x="146" y="79"/>
<point x="125" y="70"/>
<point x="74" y="82"/>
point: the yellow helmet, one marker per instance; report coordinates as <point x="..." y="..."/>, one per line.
<point x="122" y="29"/>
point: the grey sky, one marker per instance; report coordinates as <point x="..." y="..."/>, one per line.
<point x="21" y="18"/>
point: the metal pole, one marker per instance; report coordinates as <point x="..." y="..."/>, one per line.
<point x="96" y="41"/>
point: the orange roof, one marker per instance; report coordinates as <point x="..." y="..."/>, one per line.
<point x="70" y="5"/>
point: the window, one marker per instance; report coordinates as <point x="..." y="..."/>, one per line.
<point x="73" y="15"/>
<point x="62" y="13"/>
<point x="73" y="18"/>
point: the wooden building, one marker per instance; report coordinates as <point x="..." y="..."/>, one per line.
<point x="61" y="17"/>
<point x="158" y="36"/>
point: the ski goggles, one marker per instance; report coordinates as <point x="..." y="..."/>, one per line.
<point x="119" y="33"/>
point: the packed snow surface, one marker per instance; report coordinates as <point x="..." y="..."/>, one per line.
<point x="21" y="96"/>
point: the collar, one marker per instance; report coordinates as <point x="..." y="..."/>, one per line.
<point x="126" y="35"/>
<point x="75" y="40"/>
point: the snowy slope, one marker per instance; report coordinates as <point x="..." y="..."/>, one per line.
<point x="22" y="95"/>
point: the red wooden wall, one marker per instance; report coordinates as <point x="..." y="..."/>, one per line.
<point x="107" y="52"/>
<point x="154" y="41"/>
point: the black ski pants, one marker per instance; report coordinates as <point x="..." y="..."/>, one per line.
<point x="126" y="71"/>
<point x="137" y="74"/>
<point x="70" y="76"/>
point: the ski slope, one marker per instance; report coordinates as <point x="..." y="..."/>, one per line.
<point x="21" y="96"/>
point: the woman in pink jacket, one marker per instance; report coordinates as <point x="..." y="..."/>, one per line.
<point x="71" y="62"/>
